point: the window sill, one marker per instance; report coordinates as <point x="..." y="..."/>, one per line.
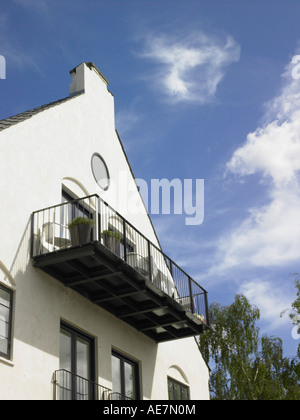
<point x="6" y="361"/>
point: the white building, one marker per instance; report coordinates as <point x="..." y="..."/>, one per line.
<point x="108" y="317"/>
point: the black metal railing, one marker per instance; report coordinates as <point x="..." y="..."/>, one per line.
<point x="51" y="232"/>
<point x="116" y="396"/>
<point x="68" y="386"/>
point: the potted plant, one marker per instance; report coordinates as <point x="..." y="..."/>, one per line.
<point x="112" y="240"/>
<point x="80" y="230"/>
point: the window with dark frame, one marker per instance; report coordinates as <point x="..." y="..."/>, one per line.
<point x="76" y="209"/>
<point x="125" y="378"/>
<point x="6" y="305"/>
<point x="77" y="362"/>
<point x="177" y="390"/>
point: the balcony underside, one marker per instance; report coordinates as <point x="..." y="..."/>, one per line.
<point x="105" y="279"/>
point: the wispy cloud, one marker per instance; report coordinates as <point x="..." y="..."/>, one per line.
<point x="126" y="119"/>
<point x="12" y="50"/>
<point x="191" y="68"/>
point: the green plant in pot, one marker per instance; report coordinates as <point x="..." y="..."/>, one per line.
<point x="80" y="230"/>
<point x="112" y="240"/>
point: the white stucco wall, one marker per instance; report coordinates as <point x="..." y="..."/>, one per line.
<point x="37" y="157"/>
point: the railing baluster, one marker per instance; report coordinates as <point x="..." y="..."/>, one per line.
<point x="206" y="308"/>
<point x="68" y="386"/>
<point x="149" y="260"/>
<point x="32" y="235"/>
<point x="124" y="239"/>
<point x="98" y="220"/>
<point x="191" y="295"/>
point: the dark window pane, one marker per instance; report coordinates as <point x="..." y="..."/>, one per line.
<point x="125" y="377"/>
<point x="116" y="374"/>
<point x="177" y="391"/>
<point x="129" y="375"/>
<point x="170" y="389"/>
<point x="184" y="393"/>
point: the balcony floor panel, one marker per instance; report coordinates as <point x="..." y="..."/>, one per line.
<point x="96" y="273"/>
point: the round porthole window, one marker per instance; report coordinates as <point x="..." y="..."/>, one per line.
<point x="100" y="171"/>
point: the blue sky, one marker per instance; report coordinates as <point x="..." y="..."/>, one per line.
<point x="204" y="89"/>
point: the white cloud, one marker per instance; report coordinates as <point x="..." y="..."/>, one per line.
<point x="270" y="235"/>
<point x="273" y="150"/>
<point x="191" y="68"/>
<point x="270" y="301"/>
<point x="288" y="101"/>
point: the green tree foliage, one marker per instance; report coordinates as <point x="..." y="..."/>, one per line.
<point x="247" y="366"/>
<point x="294" y="312"/>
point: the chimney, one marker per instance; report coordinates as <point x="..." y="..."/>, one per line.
<point x="82" y="77"/>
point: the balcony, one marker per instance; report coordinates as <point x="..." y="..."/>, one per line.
<point x="116" y="267"/>
<point x="68" y="386"/>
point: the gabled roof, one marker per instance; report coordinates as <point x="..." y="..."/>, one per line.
<point x="8" y="122"/>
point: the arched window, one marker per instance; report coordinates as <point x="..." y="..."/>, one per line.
<point x="178" y="384"/>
